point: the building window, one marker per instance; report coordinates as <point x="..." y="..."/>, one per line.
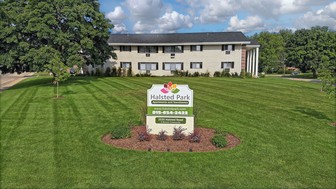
<point x="172" y="66"/>
<point x="125" y="65"/>
<point x="196" y="48"/>
<point x="125" y="49"/>
<point x="148" y="66"/>
<point x="228" y="47"/>
<point x="227" y="65"/>
<point x="195" y="65"/>
<point x="173" y="49"/>
<point x="147" y="49"/>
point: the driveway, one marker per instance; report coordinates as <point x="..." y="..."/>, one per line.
<point x="8" y="80"/>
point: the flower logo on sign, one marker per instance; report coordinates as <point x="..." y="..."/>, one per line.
<point x="170" y="87"/>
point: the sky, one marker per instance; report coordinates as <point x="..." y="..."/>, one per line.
<point x="189" y="16"/>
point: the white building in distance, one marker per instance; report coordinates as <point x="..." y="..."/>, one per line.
<point x="161" y="54"/>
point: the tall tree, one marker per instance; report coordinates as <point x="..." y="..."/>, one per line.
<point x="271" y="50"/>
<point x="34" y="30"/>
<point x="310" y="49"/>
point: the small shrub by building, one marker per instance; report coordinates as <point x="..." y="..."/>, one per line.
<point x="121" y="132"/>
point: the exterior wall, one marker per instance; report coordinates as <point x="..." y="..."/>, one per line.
<point x="211" y="57"/>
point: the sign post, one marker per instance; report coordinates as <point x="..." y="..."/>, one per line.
<point x="169" y="106"/>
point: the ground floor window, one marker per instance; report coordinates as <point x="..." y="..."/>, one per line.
<point x="172" y="66"/>
<point x="148" y="65"/>
<point x="227" y="65"/>
<point x="125" y="65"/>
<point x="196" y="65"/>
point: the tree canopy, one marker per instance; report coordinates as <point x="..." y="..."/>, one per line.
<point x="39" y="33"/>
<point x="312" y="49"/>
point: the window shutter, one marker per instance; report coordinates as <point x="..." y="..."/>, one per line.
<point x="182" y="66"/>
<point x="157" y="66"/>
<point x="138" y="65"/>
<point x="121" y="64"/>
<point x="222" y="47"/>
<point x="233" y="47"/>
<point x="232" y="65"/>
<point x="191" y="65"/>
<point x="201" y="65"/>
<point x="201" y="47"/>
<point x="163" y="66"/>
<point x="222" y="65"/>
<point x="163" y="49"/>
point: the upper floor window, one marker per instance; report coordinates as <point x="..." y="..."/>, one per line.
<point x="172" y="66"/>
<point x="227" y="65"/>
<point x="195" y="65"/>
<point x="196" y="48"/>
<point x="173" y="49"/>
<point x="125" y="49"/>
<point x="228" y="47"/>
<point x="125" y="65"/>
<point x="147" y="49"/>
<point x="148" y="66"/>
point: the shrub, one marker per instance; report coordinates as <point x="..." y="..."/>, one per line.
<point x="114" y="72"/>
<point x="108" y="72"/>
<point x="219" y="140"/>
<point x="98" y="72"/>
<point x="235" y="75"/>
<point x="195" y="136"/>
<point x="196" y="74"/>
<point x="206" y="74"/>
<point x="121" y="132"/>
<point x="178" y="133"/>
<point x="217" y="74"/>
<point x="162" y="135"/>
<point x="119" y="72"/>
<point x="129" y="72"/>
<point x="248" y="75"/>
<point x="144" y="135"/>
<point x="242" y="74"/>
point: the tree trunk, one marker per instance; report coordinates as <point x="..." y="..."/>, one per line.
<point x="314" y="73"/>
<point x="56" y="89"/>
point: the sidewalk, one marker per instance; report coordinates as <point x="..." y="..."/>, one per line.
<point x="8" y="80"/>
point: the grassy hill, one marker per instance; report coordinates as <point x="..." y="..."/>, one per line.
<point x="284" y="127"/>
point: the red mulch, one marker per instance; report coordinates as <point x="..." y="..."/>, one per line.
<point x="169" y="144"/>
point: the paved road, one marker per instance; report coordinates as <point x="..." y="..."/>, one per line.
<point x="8" y="80"/>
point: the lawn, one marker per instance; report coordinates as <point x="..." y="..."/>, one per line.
<point x="284" y="127"/>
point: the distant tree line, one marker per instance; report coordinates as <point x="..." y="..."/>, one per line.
<point x="311" y="49"/>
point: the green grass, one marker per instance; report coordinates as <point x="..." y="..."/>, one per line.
<point x="286" y="139"/>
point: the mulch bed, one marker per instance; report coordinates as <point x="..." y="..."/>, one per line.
<point x="170" y="145"/>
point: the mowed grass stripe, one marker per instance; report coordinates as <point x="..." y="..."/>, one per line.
<point x="275" y="150"/>
<point x="28" y="145"/>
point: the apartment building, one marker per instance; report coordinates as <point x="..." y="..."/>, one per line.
<point x="161" y="54"/>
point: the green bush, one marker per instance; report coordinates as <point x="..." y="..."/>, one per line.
<point x="219" y="140"/>
<point x="242" y="74"/>
<point x="121" y="132"/>
<point x="129" y="72"/>
<point x="108" y="72"/>
<point x="217" y="74"/>
<point x="114" y="72"/>
<point x="196" y="74"/>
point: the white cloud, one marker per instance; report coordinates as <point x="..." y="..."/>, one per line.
<point x="145" y="9"/>
<point x="323" y="17"/>
<point x="120" y="28"/>
<point x="217" y="10"/>
<point x="251" y="23"/>
<point x="117" y="16"/>
<point x="152" y="16"/>
<point x="172" y="21"/>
